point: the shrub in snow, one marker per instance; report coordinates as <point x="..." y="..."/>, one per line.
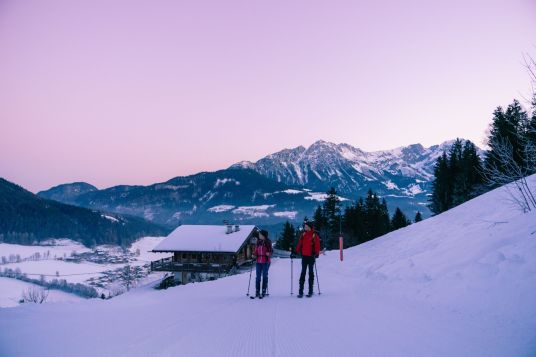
<point x="35" y="295"/>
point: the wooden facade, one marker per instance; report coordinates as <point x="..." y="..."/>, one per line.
<point x="204" y="265"/>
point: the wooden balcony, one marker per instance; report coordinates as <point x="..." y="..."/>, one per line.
<point x="167" y="264"/>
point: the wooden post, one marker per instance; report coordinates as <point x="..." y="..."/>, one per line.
<point x="341" y="246"/>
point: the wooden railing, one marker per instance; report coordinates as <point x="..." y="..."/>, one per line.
<point x="167" y="264"/>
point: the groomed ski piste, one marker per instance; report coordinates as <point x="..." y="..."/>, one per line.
<point x="462" y="283"/>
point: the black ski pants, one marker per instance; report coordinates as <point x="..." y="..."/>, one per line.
<point x="307" y="262"/>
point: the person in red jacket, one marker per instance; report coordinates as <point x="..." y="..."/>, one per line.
<point x="309" y="248"/>
<point x="263" y="252"/>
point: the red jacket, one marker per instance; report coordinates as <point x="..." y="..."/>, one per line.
<point x="309" y="244"/>
<point x="263" y="250"/>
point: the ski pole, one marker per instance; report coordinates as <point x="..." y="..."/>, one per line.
<point x="291" y="274"/>
<point x="317" y="280"/>
<point x="250" y="270"/>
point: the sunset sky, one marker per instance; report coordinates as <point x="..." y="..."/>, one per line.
<point x="137" y="92"/>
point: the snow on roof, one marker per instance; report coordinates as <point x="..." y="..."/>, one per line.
<point x="204" y="238"/>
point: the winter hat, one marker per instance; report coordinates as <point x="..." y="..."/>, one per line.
<point x="264" y="232"/>
<point x="309" y="223"/>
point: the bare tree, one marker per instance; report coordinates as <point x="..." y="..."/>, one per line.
<point x="127" y="276"/>
<point x="530" y="65"/>
<point x="506" y="170"/>
<point x="35" y="295"/>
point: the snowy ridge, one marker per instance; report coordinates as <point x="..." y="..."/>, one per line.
<point x="325" y="164"/>
<point x="462" y="283"/>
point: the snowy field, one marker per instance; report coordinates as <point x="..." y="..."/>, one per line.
<point x="73" y="272"/>
<point x="10" y="298"/>
<point x="462" y="283"/>
<point x="56" y="248"/>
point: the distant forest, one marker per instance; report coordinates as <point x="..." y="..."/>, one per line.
<point x="26" y="218"/>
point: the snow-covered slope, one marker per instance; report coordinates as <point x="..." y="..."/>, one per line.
<point x="11" y="291"/>
<point x="462" y="283"/>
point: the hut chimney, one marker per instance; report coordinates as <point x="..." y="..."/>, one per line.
<point x="236" y="228"/>
<point x="229" y="229"/>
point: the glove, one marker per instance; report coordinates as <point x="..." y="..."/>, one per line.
<point x="254" y="256"/>
<point x="292" y="255"/>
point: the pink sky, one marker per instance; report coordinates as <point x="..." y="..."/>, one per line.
<point x="137" y="92"/>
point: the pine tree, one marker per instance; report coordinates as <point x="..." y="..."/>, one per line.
<point x="321" y="225"/>
<point x="530" y="140"/>
<point x="507" y="127"/>
<point x="399" y="220"/>
<point x="455" y="169"/>
<point x="471" y="168"/>
<point x="458" y="177"/>
<point x="418" y="217"/>
<point x="372" y="204"/>
<point x="286" y="239"/>
<point x="354" y="223"/>
<point x="441" y="186"/>
<point x="332" y="215"/>
<point x="465" y="169"/>
<point x="377" y="221"/>
<point x="530" y="134"/>
<point x="385" y="221"/>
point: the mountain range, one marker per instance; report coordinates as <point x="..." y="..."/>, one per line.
<point x="288" y="184"/>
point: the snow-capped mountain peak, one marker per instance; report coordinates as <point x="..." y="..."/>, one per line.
<point x="347" y="168"/>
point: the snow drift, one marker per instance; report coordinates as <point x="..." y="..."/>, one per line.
<point x="462" y="283"/>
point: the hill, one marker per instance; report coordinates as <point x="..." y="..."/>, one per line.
<point x="28" y="219"/>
